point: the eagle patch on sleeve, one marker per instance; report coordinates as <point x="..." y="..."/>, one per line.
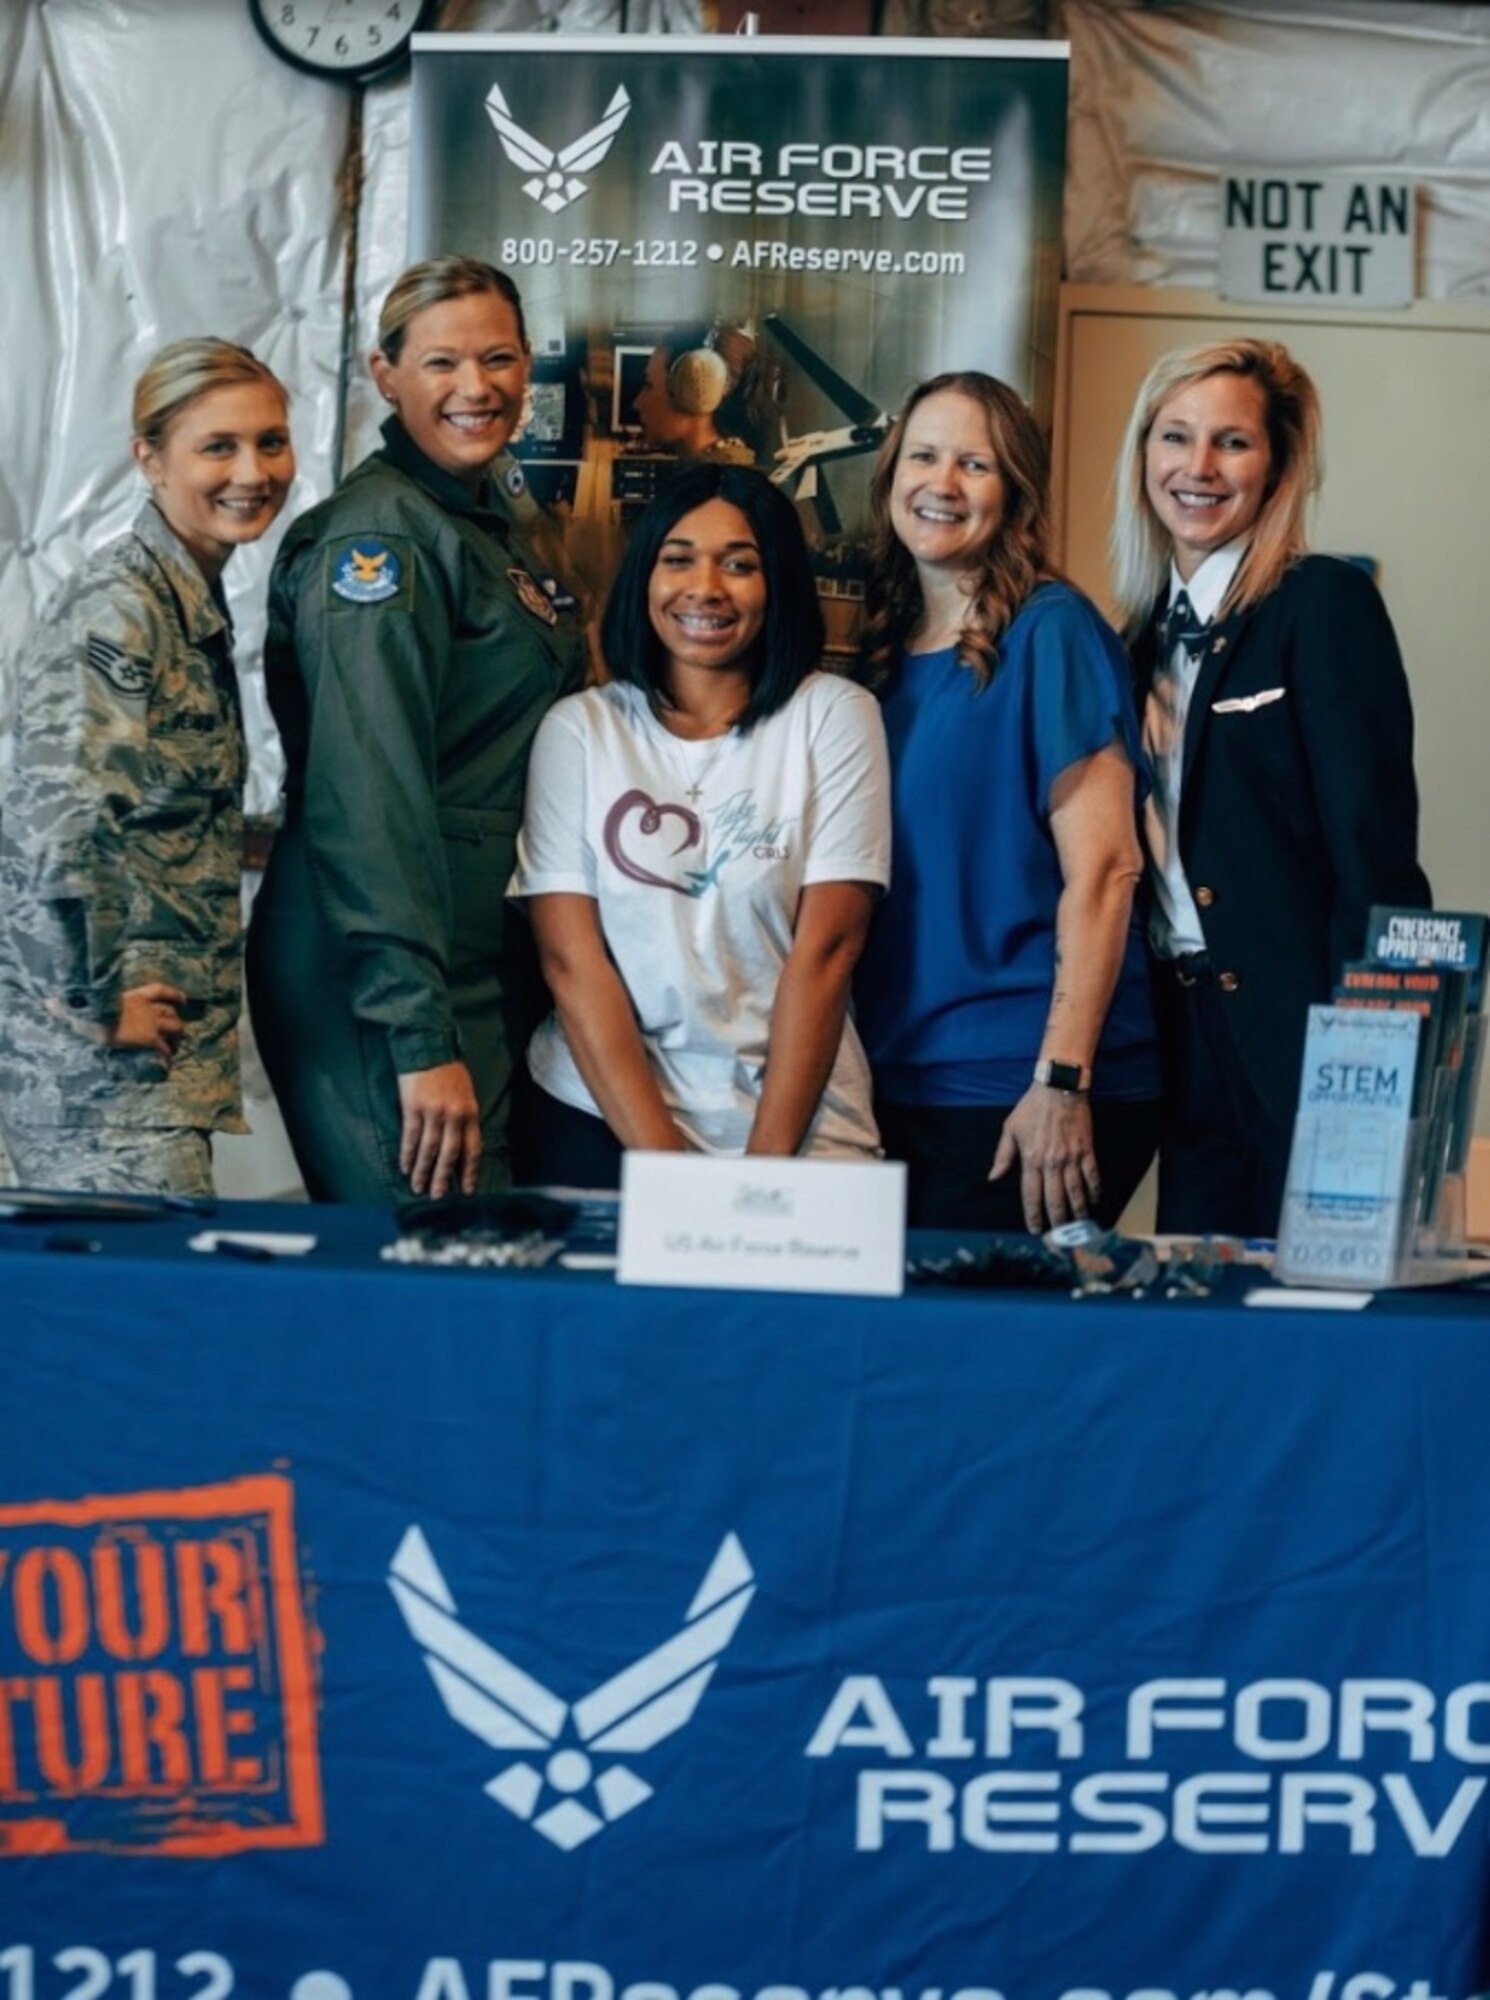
<point x="371" y="569"/>
<point x="123" y="672"/>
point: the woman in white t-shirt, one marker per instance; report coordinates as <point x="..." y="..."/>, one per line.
<point x="703" y="844"/>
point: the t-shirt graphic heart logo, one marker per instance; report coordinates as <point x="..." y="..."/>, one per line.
<point x="650" y="815"/>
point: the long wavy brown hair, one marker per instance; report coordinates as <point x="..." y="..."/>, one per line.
<point x="999" y="580"/>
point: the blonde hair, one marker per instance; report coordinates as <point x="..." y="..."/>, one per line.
<point x="1016" y="560"/>
<point x="1140" y="547"/>
<point x="185" y="370"/>
<point x="431" y="284"/>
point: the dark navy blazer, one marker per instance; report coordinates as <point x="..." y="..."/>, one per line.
<point x="1298" y="805"/>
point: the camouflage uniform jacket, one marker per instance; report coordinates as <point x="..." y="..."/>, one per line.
<point x="120" y="844"/>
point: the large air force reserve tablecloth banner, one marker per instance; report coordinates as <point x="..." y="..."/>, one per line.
<point x="385" y="1637"/>
<point x="746" y="249"/>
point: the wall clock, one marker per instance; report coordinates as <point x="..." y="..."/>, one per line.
<point x="347" y="39"/>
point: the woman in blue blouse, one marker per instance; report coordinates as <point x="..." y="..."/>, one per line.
<point x="1004" y="996"/>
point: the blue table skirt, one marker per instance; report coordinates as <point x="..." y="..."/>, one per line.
<point x="376" y="1634"/>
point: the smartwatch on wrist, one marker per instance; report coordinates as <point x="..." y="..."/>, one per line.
<point x="1075" y="1077"/>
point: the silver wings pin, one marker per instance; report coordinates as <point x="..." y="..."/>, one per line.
<point x="1248" y="704"/>
<point x="636" y="1709"/>
<point x="555" y="176"/>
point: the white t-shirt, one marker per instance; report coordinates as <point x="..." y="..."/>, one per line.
<point x="697" y="854"/>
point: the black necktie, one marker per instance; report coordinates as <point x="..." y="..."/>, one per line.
<point x="1181" y="627"/>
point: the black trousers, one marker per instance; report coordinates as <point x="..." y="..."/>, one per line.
<point x="555" y="1145"/>
<point x="948" y="1149"/>
<point x="1223" y="1158"/>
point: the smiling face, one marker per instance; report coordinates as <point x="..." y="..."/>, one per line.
<point x="458" y="382"/>
<point x="1208" y="465"/>
<point x="707" y="593"/>
<point x="947" y="498"/>
<point x="221" y="474"/>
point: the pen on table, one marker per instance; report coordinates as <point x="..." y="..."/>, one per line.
<point x="247" y="1253"/>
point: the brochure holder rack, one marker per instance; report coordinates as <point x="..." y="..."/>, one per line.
<point x="1376" y="1196"/>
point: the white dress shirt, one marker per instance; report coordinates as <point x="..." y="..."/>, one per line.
<point x="1174" y="921"/>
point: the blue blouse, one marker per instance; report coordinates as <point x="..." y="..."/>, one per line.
<point x="955" y="983"/>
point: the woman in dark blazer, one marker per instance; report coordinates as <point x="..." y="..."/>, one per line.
<point x="1277" y="717"/>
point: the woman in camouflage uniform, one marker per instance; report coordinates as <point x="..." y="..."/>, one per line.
<point x="121" y="836"/>
<point x="415" y="643"/>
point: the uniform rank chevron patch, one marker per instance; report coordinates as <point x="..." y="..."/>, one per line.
<point x="123" y="672"/>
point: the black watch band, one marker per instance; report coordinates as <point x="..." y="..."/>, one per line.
<point x="1064" y="1076"/>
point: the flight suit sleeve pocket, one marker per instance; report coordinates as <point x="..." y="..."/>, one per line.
<point x="480" y="854"/>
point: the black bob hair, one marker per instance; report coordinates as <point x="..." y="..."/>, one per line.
<point x="792" y="642"/>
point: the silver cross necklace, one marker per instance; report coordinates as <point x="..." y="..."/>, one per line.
<point x="695" y="777"/>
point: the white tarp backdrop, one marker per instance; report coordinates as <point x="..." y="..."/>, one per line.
<point x="1165" y="98"/>
<point x="161" y="173"/>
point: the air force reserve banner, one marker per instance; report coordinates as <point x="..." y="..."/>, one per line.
<point x="745" y="249"/>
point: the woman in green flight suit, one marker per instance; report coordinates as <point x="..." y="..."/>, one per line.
<point x="414" y="646"/>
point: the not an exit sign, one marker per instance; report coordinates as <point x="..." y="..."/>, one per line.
<point x="1322" y="238"/>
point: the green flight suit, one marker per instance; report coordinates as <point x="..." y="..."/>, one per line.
<point x="413" y="648"/>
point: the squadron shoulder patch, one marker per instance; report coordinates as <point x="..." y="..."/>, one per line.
<point x="368" y="570"/>
<point x="123" y="672"/>
<point x="514" y="481"/>
<point x="530" y="596"/>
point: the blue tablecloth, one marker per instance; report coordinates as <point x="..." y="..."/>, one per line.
<point x="427" y="1636"/>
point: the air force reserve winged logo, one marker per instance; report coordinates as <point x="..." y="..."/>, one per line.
<point x="575" y="1784"/>
<point x="555" y="176"/>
